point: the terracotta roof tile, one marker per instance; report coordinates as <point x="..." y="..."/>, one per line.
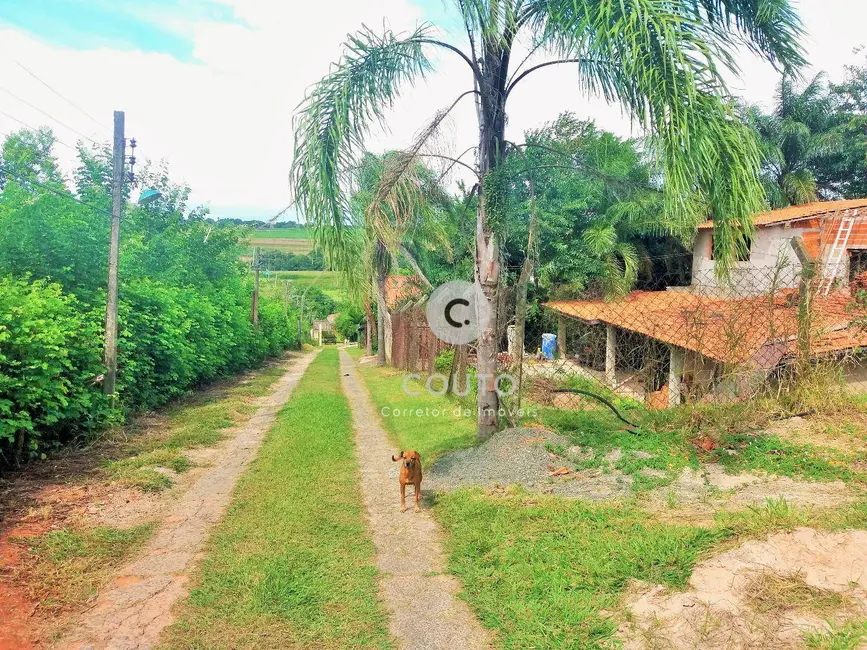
<point x="755" y="330"/>
<point x="797" y="212"/>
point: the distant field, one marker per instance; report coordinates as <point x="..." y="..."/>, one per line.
<point x="328" y="281"/>
<point x="288" y="240"/>
<point x="283" y="233"/>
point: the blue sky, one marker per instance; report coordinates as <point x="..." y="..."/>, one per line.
<point x="149" y="26"/>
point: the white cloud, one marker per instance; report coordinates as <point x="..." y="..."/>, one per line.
<point x="224" y="120"/>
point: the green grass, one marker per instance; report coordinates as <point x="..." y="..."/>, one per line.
<point x="139" y="471"/>
<point x="670" y="450"/>
<point x="283" y="233"/>
<point x="430" y="436"/>
<point x="769" y="453"/>
<point x="849" y="636"/>
<point x="328" y="281"/>
<point x="669" y="437"/>
<point x="291" y="564"/>
<point x="540" y="569"/>
<point x="66" y="567"/>
<point x="195" y="422"/>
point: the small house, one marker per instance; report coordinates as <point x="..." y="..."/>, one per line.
<point x="721" y="339"/>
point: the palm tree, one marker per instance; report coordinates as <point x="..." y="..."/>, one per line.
<point x="793" y="138"/>
<point x="390" y="218"/>
<point x="662" y="61"/>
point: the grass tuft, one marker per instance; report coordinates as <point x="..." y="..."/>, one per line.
<point x="140" y="471"/>
<point x="848" y="636"/>
<point x="771" y="593"/>
<point x="68" y="567"/>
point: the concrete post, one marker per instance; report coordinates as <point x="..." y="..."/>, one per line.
<point x="561" y="337"/>
<point x="611" y="355"/>
<point x="675" y="373"/>
<point x="320" y="334"/>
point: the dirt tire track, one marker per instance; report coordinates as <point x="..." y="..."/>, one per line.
<point x="132" y="613"/>
<point x="425" y="611"/>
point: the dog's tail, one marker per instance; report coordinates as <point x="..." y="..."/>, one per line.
<point x="397" y="458"/>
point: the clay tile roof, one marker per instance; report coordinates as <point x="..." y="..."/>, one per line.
<point x="757" y="330"/>
<point x="797" y="212"/>
<point x="400" y="287"/>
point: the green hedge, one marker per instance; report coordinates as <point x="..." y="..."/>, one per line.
<point x="49" y="360"/>
<point x="171" y="339"/>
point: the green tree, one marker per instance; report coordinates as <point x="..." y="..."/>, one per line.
<point x="796" y="138"/>
<point x="663" y="61"/>
<point x="398" y="207"/>
<point x="845" y="170"/>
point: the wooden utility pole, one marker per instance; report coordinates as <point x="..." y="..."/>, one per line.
<point x="255" y="311"/>
<point x="118" y="159"/>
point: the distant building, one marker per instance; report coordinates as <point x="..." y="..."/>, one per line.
<point x="322" y="327"/>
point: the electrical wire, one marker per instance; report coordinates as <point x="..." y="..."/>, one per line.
<point x="59" y="94"/>
<point x="48" y="188"/>
<point x="25" y="124"/>
<point x="48" y="115"/>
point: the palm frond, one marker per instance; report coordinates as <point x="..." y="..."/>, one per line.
<point x="660" y="60"/>
<point x="336" y="116"/>
<point x="800" y="187"/>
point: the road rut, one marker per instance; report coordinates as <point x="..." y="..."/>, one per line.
<point x="131" y="614"/>
<point x="424" y="610"/>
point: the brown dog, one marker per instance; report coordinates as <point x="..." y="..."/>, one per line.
<point x="410" y="472"/>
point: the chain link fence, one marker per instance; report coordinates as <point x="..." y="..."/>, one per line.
<point x="760" y="333"/>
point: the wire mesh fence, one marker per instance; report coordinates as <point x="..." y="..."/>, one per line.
<point x="757" y="333"/>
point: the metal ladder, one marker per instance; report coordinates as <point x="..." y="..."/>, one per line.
<point x="837" y="254"/>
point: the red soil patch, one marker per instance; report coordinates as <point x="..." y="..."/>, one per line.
<point x="19" y="630"/>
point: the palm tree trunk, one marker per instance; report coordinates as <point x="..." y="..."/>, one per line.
<point x="523" y="284"/>
<point x="492" y="127"/>
<point x="368" y="339"/>
<point x="414" y="264"/>
<point x="381" y="304"/>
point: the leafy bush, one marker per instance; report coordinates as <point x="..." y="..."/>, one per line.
<point x="49" y="359"/>
<point x="184" y="300"/>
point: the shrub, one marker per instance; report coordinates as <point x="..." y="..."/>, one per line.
<point x="50" y="358"/>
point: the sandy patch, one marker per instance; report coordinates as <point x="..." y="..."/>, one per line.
<point x="718" y="609"/>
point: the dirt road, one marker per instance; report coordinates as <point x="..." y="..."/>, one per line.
<point x="131" y="614"/>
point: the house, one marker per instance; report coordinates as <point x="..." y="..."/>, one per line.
<point x="833" y="232"/>
<point x="724" y="339"/>
<point x="321" y="328"/>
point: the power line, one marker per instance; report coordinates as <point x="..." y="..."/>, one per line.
<point x="48" y="188"/>
<point x="59" y="94"/>
<point x="25" y="124"/>
<point x="48" y="115"/>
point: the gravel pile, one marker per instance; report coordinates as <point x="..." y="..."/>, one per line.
<point x="520" y="457"/>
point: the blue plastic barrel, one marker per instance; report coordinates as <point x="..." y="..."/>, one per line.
<point x="549" y="346"/>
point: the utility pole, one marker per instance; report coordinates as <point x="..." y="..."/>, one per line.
<point x="286" y="300"/>
<point x="255" y="313"/>
<point x="118" y="159"/>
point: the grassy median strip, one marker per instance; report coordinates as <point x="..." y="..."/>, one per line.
<point x="291" y="564"/>
<point x="443" y="425"/>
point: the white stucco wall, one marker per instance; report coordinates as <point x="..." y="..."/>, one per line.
<point x="771" y="249"/>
